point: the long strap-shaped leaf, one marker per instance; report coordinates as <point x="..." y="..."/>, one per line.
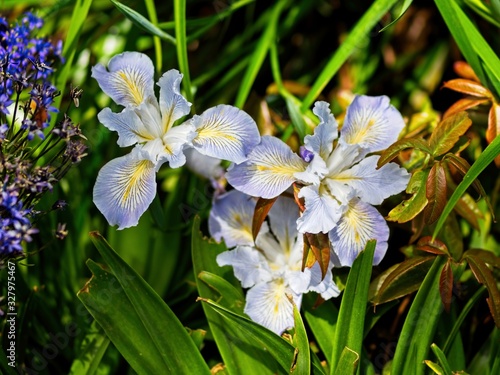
<point x="350" y="324"/>
<point x="137" y="320"/>
<point x="420" y="324"/>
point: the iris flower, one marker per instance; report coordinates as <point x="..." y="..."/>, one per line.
<point x="270" y="266"/>
<point x="338" y="178"/>
<point x="126" y="186"/>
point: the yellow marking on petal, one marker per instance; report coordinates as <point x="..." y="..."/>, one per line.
<point x="211" y="132"/>
<point x="280" y="286"/>
<point x="135" y="181"/>
<point x="279" y="169"/>
<point x="361" y="134"/>
<point x="133" y="90"/>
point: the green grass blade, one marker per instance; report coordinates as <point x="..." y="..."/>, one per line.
<point x="301" y="343"/>
<point x="150" y="6"/>
<point x="350" y="325"/>
<point x="487" y="156"/>
<point x="142" y="22"/>
<point x="259" y="54"/>
<point x="420" y="324"/>
<point x="404" y="7"/>
<point x="182" y="55"/>
<point x="443" y="362"/>
<point x="378" y="9"/>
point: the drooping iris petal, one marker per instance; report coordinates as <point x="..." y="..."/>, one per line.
<point x="324" y="286"/>
<point x="321" y="142"/>
<point x="231" y="219"/>
<point x="372" y="123"/>
<point x="129" y="78"/>
<point x="322" y="211"/>
<point x="268" y="305"/>
<point x="203" y="165"/>
<point x="374" y="185"/>
<point x="124" y="189"/>
<point x="250" y="266"/>
<point x="225" y="132"/>
<point x="173" y="105"/>
<point x="175" y="141"/>
<point x="360" y="223"/>
<point x="269" y="170"/>
<point x="130" y="128"/>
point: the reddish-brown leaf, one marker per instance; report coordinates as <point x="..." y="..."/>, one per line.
<point x="464" y="70"/>
<point x="467" y="208"/>
<point x="446" y="285"/>
<point x="487" y="256"/>
<point x="484" y="275"/>
<point x="448" y="132"/>
<point x="299" y="201"/>
<point x="493" y="129"/>
<point x="468" y="87"/>
<point x="320" y="248"/>
<point x="262" y="208"/>
<point x="435" y="193"/>
<point x="464" y="104"/>
<point x="434" y="247"/>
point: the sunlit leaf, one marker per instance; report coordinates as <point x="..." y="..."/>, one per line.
<point x="484" y="275"/>
<point x="404" y="7"/>
<point x="493" y="129"/>
<point x="435" y="193"/>
<point x="447" y="133"/>
<point x="403" y="144"/>
<point x="348" y="362"/>
<point x="400" y="280"/>
<point x="410" y="208"/>
<point x="446" y="286"/>
<point x="438" y="370"/>
<point x="468" y="208"/>
<point x="262" y="208"/>
<point x="468" y="87"/>
<point x="231" y="297"/>
<point x="464" y="70"/>
<point x="302" y="362"/>
<point x="464" y="104"/>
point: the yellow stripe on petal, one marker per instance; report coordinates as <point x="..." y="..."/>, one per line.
<point x="135" y="184"/>
<point x="130" y="81"/>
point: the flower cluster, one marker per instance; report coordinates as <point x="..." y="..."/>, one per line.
<point x="29" y="165"/>
<point x="126" y="186"/>
<point x="271" y="265"/>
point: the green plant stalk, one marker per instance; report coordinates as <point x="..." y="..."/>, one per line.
<point x="259" y="54"/>
<point x="348" y="46"/>
<point x="420" y="324"/>
<point x="350" y="323"/>
<point x="150" y="6"/>
<point x="181" y="45"/>
<point x="487" y="156"/>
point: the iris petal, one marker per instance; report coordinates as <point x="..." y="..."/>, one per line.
<point x="173" y="105"/>
<point x="322" y="211"/>
<point x="360" y="223"/>
<point x="128" y="80"/>
<point x="269" y="170"/>
<point x="225" y="132"/>
<point x="321" y="142"/>
<point x="127" y="124"/>
<point x="268" y="305"/>
<point x="124" y="189"/>
<point x="176" y="139"/>
<point x="371" y="122"/>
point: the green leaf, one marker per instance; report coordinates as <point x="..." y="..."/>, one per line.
<point x="360" y="31"/>
<point x="400" y="280"/>
<point x="484" y="276"/>
<point x="302" y="361"/>
<point x="483" y="361"/>
<point x="91" y="352"/>
<point x="238" y="354"/>
<point x="487" y="156"/>
<point x="349" y="332"/>
<point x="348" y="362"/>
<point x="393" y="150"/>
<point x="322" y="321"/>
<point x="181" y="46"/>
<point x="251" y="335"/>
<point x="420" y="324"/>
<point x="136" y="319"/>
<point x="404" y="7"/>
<point x="434" y="367"/>
<point x="435" y="192"/>
<point x="442" y="359"/>
<point x="448" y="132"/>
<point x="411" y="207"/>
<point x="296" y="116"/>
<point x="142" y="22"/>
<point x="231" y="297"/>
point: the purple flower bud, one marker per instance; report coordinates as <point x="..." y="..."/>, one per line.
<point x="305" y="154"/>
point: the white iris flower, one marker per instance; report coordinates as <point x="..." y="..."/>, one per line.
<point x="340" y="181"/>
<point x="270" y="266"/>
<point x="126" y="186"/>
